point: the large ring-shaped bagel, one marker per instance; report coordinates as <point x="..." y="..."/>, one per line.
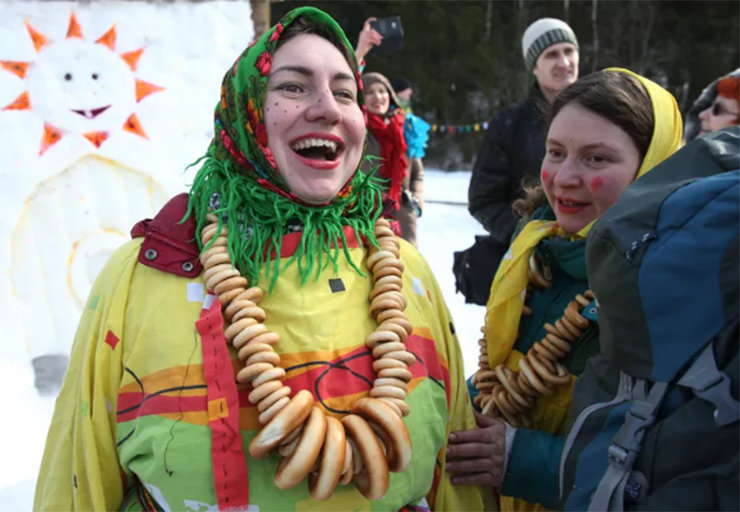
<point x="397" y="328"/>
<point x="387" y="271"/>
<point x="271" y="411"/>
<point x="373" y="482"/>
<point x="247" y="334"/>
<point x="533" y="379"/>
<point x="282" y="425"/>
<point x="300" y="463"/>
<point x="402" y="355"/>
<point x="271" y="374"/>
<point x="574" y="315"/>
<point x="254" y="294"/>
<point x="269" y="338"/>
<point x="226" y="297"/>
<point x="293" y="435"/>
<point x="565" y="331"/>
<point x="273" y="397"/>
<point x="396" y="373"/>
<point x="333" y="458"/>
<point x="347" y="471"/>
<point x="389" y="391"/>
<point x="384" y="318"/>
<point x="559" y="343"/>
<point x="387" y="263"/>
<point x="234" y="307"/>
<point x="218" y="258"/>
<point x="230" y="284"/>
<point x="219" y="274"/>
<point x="401" y="405"/>
<point x="211" y="258"/>
<point x="392" y="430"/>
<point x="252" y="348"/>
<point x="387" y="287"/>
<point x="391" y="382"/>
<point x="385" y="364"/>
<point x="381" y="304"/>
<point x="381" y="337"/>
<point x="265" y="356"/>
<point x="235" y="328"/>
<point x="386" y="348"/>
<point x="251" y="371"/>
<point x="266" y="389"/>
<point x="254" y="311"/>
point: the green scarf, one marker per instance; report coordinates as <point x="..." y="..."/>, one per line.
<point x="240" y="182"/>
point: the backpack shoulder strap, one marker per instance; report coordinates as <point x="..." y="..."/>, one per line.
<point x="626" y="445"/>
<point x="712" y="385"/>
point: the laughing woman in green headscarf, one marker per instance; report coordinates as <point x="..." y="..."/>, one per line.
<point x="266" y="342"/>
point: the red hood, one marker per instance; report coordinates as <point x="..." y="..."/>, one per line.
<point x="169" y="245"/>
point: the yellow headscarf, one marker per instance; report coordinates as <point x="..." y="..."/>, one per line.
<point x="504" y="307"/>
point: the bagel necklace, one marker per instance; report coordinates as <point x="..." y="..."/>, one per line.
<point x="366" y="444"/>
<point x="513" y="393"/>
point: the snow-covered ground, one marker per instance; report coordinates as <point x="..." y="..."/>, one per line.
<point x="443" y="229"/>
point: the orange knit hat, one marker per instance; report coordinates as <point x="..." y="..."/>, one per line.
<point x="729" y="88"/>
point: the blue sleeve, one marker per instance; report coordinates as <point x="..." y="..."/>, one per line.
<point x="416" y="133"/>
<point x="473" y="392"/>
<point x="532" y="468"/>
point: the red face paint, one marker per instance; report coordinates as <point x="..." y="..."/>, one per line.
<point x="544" y="175"/>
<point x="596" y="183"/>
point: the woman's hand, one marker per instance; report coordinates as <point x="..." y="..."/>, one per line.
<point x="478" y="454"/>
<point x="369" y="37"/>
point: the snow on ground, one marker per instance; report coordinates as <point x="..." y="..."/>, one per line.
<point x="443" y="229"/>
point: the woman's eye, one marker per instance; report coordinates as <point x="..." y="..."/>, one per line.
<point x="344" y="95"/>
<point x="293" y="88"/>
<point x="555" y="154"/>
<point x="598" y="159"/>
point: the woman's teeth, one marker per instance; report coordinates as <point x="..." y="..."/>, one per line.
<point x="315" y="143"/>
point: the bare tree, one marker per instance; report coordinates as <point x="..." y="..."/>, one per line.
<point x="595" y="33"/>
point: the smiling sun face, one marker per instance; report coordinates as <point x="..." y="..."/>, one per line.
<point x="82" y="88"/>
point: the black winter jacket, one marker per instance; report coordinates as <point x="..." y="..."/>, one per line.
<point x="512" y="150"/>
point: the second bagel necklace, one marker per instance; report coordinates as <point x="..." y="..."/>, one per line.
<point x="514" y="393"/>
<point x="365" y="445"/>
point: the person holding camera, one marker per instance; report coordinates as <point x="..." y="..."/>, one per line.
<point x="395" y="138"/>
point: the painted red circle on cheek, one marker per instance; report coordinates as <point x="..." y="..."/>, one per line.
<point x="596" y="183"/>
<point x="544" y="175"/>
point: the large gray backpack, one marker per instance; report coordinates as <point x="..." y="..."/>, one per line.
<point x="655" y="415"/>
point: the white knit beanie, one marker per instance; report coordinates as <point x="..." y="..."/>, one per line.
<point x="543" y="33"/>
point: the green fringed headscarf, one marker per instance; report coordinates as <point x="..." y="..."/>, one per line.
<point x="240" y="182"/>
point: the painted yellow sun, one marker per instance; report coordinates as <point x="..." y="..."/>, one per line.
<point x="80" y="88"/>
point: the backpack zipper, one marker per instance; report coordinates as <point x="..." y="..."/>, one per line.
<point x="624" y="393"/>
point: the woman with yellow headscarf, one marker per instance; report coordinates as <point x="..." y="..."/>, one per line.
<point x="606" y="131"/>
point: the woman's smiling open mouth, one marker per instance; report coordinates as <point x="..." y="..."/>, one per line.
<point x="320" y="151"/>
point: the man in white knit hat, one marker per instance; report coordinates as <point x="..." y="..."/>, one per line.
<point x="514" y="146"/>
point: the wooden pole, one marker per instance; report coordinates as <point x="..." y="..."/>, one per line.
<point x="260" y="16"/>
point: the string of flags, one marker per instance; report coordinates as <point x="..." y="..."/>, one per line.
<point x="464" y="128"/>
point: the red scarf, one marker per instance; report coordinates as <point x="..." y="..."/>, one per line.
<point x="395" y="163"/>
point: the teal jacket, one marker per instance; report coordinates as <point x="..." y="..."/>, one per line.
<point x="532" y="467"/>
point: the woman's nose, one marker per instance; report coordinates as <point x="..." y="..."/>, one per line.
<point x="704" y="114"/>
<point x="325" y="108"/>
<point x="567" y="175"/>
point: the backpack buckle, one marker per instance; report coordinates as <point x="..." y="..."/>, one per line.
<point x="712" y="385"/>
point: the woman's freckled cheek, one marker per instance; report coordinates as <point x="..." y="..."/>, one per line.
<point x="596" y="183"/>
